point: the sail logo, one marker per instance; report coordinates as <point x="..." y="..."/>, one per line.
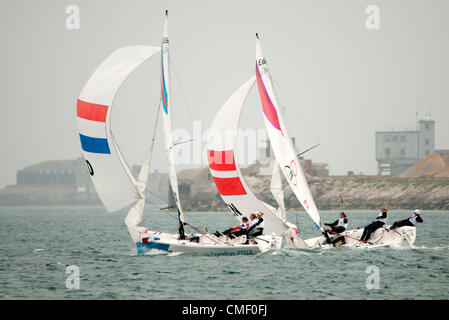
<point x="291" y="172"/>
<point x="261" y="62"/>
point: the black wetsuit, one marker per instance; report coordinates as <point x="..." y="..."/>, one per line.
<point x="236" y="231"/>
<point x="406" y="222"/>
<point x="369" y="229"/>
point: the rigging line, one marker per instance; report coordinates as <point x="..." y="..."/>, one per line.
<point x="300" y="154"/>
<point x="156" y="196"/>
<point x="303" y="119"/>
<point x="180" y="89"/>
<point x="204" y="234"/>
<point x="186" y="223"/>
<point x="182" y="142"/>
<point x="153" y="205"/>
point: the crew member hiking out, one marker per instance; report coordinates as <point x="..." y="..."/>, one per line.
<point x="380" y="221"/>
<point x="338" y="226"/>
<point x="412" y="221"/>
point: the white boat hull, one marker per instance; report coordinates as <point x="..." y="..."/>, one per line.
<point x="400" y="237"/>
<point x="208" y="245"/>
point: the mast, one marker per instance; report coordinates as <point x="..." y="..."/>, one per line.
<point x="166" y="115"/>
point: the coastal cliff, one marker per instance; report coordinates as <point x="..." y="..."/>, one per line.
<point x="357" y="192"/>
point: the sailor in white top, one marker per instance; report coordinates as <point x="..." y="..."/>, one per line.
<point x="339" y="225"/>
<point x="380" y="221"/>
<point x="256" y="224"/>
<point x="412" y="221"/>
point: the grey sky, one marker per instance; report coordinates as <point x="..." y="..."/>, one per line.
<point x="345" y="80"/>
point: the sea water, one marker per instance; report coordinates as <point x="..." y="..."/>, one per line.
<point x="40" y="248"/>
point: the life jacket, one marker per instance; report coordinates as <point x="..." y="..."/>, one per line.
<point x="382" y="219"/>
<point x="342" y="223"/>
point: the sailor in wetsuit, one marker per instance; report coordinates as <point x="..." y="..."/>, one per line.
<point x="380" y="221"/>
<point x="412" y="221"/>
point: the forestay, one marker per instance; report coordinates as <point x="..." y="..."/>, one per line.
<point x="280" y="140"/>
<point x="224" y="167"/>
<point x="110" y="174"/>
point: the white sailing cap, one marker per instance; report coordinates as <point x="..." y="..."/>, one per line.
<point x="417" y="211"/>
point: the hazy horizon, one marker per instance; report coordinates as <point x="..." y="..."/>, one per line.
<point x="345" y="80"/>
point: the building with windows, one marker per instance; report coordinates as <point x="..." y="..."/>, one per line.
<point x="397" y="151"/>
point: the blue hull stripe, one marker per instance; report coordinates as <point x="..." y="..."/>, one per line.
<point x="94" y="145"/>
<point x="143" y="247"/>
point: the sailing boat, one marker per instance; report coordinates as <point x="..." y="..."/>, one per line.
<point x="290" y="166"/>
<point x="235" y="192"/>
<point x="224" y="164"/>
<point x="112" y="177"/>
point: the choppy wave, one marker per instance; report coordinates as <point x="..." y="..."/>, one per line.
<point x="99" y="245"/>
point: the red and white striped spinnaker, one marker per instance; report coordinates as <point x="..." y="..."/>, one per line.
<point x="225" y="169"/>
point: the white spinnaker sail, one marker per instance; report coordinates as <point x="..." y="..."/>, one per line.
<point x="166" y="115"/>
<point x="110" y="174"/>
<point x="224" y="168"/>
<point x="280" y="140"/>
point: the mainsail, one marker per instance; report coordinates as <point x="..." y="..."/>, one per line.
<point x="224" y="167"/>
<point x="277" y="190"/>
<point x="280" y="141"/>
<point x="110" y="174"/>
<point x="166" y="107"/>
